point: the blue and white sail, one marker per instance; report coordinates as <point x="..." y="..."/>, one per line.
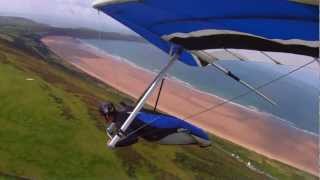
<point x="225" y="27"/>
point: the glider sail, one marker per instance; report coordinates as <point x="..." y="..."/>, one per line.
<point x="199" y="33"/>
<point x="263" y="26"/>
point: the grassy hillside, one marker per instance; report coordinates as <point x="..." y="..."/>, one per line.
<point x="51" y="129"/>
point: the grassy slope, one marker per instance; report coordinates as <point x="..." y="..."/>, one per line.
<point x="50" y="128"/>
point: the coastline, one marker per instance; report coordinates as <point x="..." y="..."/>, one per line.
<point x="187" y="85"/>
<point x="254" y="130"/>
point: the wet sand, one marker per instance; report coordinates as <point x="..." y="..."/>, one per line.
<point x="256" y="131"/>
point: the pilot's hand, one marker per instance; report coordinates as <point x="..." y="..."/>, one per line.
<point x="111" y="128"/>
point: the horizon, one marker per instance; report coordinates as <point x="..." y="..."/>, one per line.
<point x="68" y="14"/>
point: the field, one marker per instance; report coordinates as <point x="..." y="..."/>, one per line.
<point x="51" y="128"/>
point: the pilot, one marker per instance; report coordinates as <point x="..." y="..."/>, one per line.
<point x="151" y="126"/>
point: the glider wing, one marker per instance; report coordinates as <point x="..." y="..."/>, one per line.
<point x="265" y="26"/>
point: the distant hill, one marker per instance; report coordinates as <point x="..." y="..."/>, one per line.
<point x="28" y="26"/>
<point x="18" y="21"/>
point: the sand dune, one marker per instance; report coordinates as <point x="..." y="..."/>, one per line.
<point x="256" y="131"/>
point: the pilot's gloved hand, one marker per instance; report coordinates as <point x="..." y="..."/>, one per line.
<point x="111" y="128"/>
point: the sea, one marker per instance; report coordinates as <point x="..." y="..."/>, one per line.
<point x="297" y="95"/>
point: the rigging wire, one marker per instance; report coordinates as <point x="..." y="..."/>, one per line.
<point x="140" y="128"/>
<point x="159" y="94"/>
<point x="233" y="54"/>
<point x="172" y="54"/>
<point x="244" y="83"/>
<point x="248" y="92"/>
<point x="318" y="62"/>
<point x="239" y="80"/>
<point x="270" y="57"/>
<point x="227" y="101"/>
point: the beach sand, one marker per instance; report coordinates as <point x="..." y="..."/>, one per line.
<point x="259" y="132"/>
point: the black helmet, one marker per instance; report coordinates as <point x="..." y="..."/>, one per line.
<point x="107" y="108"/>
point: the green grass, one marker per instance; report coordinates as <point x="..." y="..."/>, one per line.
<point x="51" y="129"/>
<point x="45" y="132"/>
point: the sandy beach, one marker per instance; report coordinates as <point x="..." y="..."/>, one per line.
<point x="256" y="131"/>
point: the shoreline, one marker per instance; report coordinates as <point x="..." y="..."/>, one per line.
<point x="231" y="122"/>
<point x="187" y="85"/>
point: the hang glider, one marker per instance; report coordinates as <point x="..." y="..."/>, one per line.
<point x="199" y="33"/>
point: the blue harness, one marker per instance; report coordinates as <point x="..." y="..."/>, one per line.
<point x="165" y="121"/>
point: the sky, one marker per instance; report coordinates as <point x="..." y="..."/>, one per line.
<point x="66" y="13"/>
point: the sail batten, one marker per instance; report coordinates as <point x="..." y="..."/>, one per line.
<point x="267" y="25"/>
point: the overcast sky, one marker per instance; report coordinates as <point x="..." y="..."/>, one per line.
<point x="71" y="13"/>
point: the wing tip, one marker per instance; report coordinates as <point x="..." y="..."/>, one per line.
<point x="308" y="2"/>
<point x="97" y="4"/>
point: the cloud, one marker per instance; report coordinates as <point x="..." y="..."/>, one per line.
<point x="70" y="13"/>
